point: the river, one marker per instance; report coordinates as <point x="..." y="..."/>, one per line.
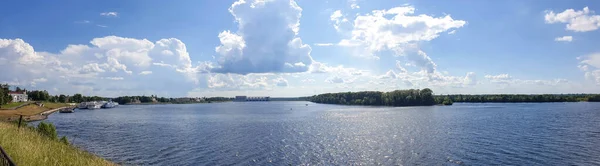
<point x="293" y="133"/>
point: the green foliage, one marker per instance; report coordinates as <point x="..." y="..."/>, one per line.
<point x="23" y="123"/>
<point x="47" y="129"/>
<point x="77" y="98"/>
<point x="411" y="97"/>
<point x="447" y="101"/>
<point x="38" y="95"/>
<point x="514" y="98"/>
<point x="4" y="96"/>
<point x="64" y="140"/>
<point x="62" y="98"/>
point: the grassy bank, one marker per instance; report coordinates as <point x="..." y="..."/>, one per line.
<point x="31" y="111"/>
<point x="28" y="147"/>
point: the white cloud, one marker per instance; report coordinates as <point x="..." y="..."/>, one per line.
<point x="591" y="60"/>
<point x="396" y="30"/>
<point x="145" y="73"/>
<point x="308" y="80"/>
<point x="578" y="21"/>
<point x="335" y="80"/>
<point x="280" y="81"/>
<point x="264" y="42"/>
<point x="388" y="75"/>
<point x="354" y="4"/>
<point x="564" y="39"/>
<point x="501" y="78"/>
<point x="338" y="20"/>
<point x="323" y="44"/>
<point x="83" y="22"/>
<point x="238" y="82"/>
<point x="400" y="67"/>
<point x="109" y="14"/>
<point x="101" y="26"/>
<point x="105" y="59"/>
<point x="390" y="29"/>
<point x="498" y="77"/>
<point x="113" y="78"/>
<point x="470" y="79"/>
<point x="452" y="32"/>
<point x="590" y="65"/>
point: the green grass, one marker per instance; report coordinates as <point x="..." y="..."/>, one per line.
<point x="27" y="147"/>
<point x="11" y="105"/>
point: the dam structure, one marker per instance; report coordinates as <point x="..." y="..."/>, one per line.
<point x="251" y="98"/>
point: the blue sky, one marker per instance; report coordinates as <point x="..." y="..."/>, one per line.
<point x="298" y="48"/>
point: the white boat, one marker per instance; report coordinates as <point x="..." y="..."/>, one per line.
<point x="109" y="104"/>
<point x="94" y="105"/>
<point x="82" y="105"/>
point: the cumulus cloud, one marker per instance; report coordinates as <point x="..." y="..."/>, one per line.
<point x="105" y="59"/>
<point x="280" y="81"/>
<point x="396" y="30"/>
<point x="390" y="29"/>
<point x="590" y="65"/>
<point x="564" y="39"/>
<point x="238" y="82"/>
<point x="109" y="14"/>
<point x="338" y="20"/>
<point x="576" y="20"/>
<point x="265" y="42"/>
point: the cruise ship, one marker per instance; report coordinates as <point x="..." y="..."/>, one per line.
<point x="109" y="104"/>
<point x="90" y="105"/>
<point x="94" y="105"/>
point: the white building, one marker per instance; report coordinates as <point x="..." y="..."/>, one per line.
<point x="18" y="96"/>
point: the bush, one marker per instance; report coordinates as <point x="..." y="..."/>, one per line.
<point x="64" y="140"/>
<point x="48" y="130"/>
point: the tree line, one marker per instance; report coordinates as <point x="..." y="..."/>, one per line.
<point x="410" y="97"/>
<point x="519" y="98"/>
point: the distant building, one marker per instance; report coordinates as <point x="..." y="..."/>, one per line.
<point x="18" y="96"/>
<point x="252" y="98"/>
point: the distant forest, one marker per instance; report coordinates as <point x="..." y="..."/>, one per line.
<point x="425" y="97"/>
<point x="514" y="98"/>
<point x="411" y="97"/>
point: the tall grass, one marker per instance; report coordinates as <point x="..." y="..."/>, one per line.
<point x="27" y="146"/>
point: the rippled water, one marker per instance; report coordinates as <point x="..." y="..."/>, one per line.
<point x="284" y="133"/>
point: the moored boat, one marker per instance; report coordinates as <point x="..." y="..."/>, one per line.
<point x="109" y="104"/>
<point x="94" y="105"/>
<point x="67" y="110"/>
<point x="82" y="105"/>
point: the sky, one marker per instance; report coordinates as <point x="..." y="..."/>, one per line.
<point x="286" y="48"/>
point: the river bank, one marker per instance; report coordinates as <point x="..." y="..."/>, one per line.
<point x="27" y="147"/>
<point x="32" y="112"/>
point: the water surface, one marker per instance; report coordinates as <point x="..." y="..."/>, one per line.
<point x="283" y="133"/>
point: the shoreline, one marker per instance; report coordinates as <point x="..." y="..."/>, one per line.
<point x="44" y="115"/>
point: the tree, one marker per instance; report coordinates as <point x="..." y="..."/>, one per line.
<point x="62" y="98"/>
<point x="77" y="98"/>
